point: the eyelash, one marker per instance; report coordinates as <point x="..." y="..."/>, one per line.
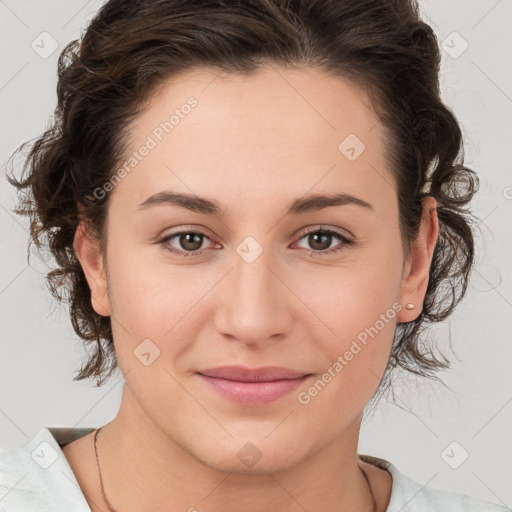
<point x="346" y="242"/>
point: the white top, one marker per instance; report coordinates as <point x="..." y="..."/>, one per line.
<point x="37" y="477"/>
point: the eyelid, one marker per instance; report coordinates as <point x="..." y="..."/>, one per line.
<point x="322" y="227"/>
<point x="184" y="228"/>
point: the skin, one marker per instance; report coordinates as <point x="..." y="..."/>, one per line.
<point x="253" y="144"/>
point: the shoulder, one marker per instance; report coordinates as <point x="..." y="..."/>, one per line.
<point x="407" y="495"/>
<point x="19" y="487"/>
<point x="36" y="476"/>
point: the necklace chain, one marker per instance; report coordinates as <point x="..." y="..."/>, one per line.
<point x="112" y="509"/>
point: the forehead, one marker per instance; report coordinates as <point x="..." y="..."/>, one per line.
<point x="211" y="132"/>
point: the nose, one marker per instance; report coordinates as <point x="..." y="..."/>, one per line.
<point x="255" y="304"/>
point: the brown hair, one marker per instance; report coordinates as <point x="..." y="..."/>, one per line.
<point x="129" y="47"/>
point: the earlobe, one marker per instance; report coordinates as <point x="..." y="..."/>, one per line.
<point x="88" y="253"/>
<point x="416" y="273"/>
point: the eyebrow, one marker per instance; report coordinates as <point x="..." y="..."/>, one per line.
<point x="306" y="204"/>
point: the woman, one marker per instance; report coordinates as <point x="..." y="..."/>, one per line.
<point x="256" y="209"/>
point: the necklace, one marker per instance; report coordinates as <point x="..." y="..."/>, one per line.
<point x="112" y="509"/>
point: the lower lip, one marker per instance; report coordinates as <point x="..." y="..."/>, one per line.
<point x="253" y="393"/>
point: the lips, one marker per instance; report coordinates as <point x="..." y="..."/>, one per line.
<point x="253" y="387"/>
<point x="244" y="374"/>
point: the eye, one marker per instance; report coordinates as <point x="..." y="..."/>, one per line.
<point x="189" y="241"/>
<point x="321" y="240"/>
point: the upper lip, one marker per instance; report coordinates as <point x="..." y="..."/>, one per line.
<point x="244" y="374"/>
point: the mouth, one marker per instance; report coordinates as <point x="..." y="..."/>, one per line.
<point x="253" y="387"/>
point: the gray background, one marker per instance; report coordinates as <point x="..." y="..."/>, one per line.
<point x="39" y="351"/>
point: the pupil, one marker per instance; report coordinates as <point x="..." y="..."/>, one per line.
<point x="315" y="242"/>
<point x="188" y="239"/>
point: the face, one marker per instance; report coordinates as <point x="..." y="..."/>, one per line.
<point x="251" y="280"/>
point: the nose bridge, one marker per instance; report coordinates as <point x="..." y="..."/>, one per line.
<point x="254" y="305"/>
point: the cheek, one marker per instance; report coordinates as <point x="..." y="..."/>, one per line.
<point x="154" y="309"/>
<point x="356" y="356"/>
<point x="359" y="304"/>
<point x="362" y="332"/>
<point x="354" y="296"/>
<point x="137" y="315"/>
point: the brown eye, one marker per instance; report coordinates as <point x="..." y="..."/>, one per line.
<point x="320" y="240"/>
<point x="190" y="241"/>
<point x="184" y="243"/>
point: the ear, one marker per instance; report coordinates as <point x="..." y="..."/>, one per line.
<point x="88" y="252"/>
<point x="416" y="272"/>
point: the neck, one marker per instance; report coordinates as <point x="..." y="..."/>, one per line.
<point x="144" y="468"/>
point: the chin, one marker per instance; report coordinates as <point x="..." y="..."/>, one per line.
<point x="257" y="457"/>
<point x="263" y="466"/>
